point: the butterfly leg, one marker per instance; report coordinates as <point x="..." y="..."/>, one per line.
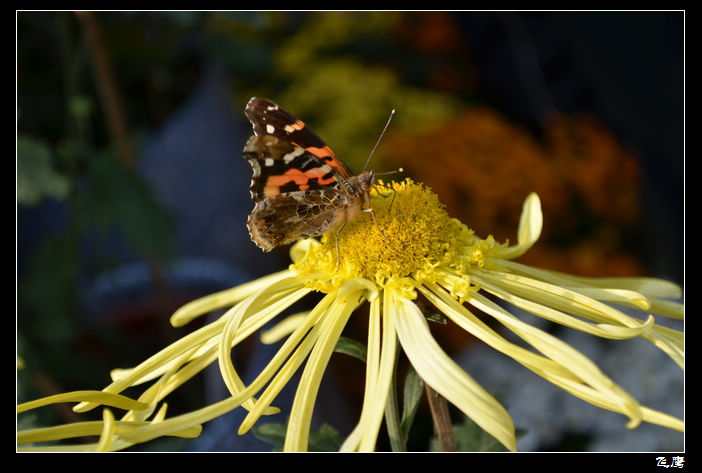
<point x="372" y="214"/>
<point x="338" y="251"/>
<point x="394" y="193"/>
<point x="391" y="189"/>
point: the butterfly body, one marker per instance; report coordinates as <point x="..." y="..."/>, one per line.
<point x="300" y="188"/>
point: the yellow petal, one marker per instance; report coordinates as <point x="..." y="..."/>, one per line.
<point x="353" y="441"/>
<point x="298" y="431"/>
<point x="291" y="355"/>
<point x="100" y="397"/>
<point x="564" y="354"/>
<point x="283" y="328"/>
<point x="447" y="378"/>
<point x="530" y="224"/>
<point x="108" y="431"/>
<point x="649" y="287"/>
<point x="374" y="407"/>
<point x="615" y="331"/>
<point x="225" y="298"/>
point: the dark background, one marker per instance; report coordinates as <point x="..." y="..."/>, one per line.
<point x="133" y="196"/>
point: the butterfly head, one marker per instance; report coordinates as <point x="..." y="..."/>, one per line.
<point x="363" y="184"/>
<point x="366" y="179"/>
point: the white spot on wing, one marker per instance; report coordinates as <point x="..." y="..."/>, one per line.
<point x="293" y="154"/>
<point x="268" y="162"/>
<point x="270" y="129"/>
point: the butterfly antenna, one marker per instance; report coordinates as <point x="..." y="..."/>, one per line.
<point x="392" y="114"/>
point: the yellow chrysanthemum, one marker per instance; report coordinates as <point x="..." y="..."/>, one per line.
<point x="415" y="249"/>
<point x="414" y="236"/>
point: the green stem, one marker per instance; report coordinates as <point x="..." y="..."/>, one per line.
<point x="392" y="416"/>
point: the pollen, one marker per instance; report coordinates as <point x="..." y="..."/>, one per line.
<point x="411" y="237"/>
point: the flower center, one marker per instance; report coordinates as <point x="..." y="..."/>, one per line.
<point x="412" y="235"/>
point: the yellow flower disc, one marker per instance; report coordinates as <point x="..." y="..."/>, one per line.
<point x="411" y="236"/>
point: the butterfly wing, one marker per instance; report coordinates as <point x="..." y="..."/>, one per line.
<point x="294" y="215"/>
<point x="268" y="118"/>
<point x="279" y="167"/>
<point x="298" y="183"/>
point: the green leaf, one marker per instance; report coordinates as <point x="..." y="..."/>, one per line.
<point x="273" y="434"/>
<point x="436" y="317"/>
<point x="351" y="347"/>
<point x="81" y="106"/>
<point x="36" y="178"/>
<point x="327" y="439"/>
<point x="398" y="441"/>
<point x="411" y="397"/>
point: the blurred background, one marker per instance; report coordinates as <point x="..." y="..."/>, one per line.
<point x="132" y="194"/>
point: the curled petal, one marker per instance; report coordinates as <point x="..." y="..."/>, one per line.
<point x="530" y="225"/>
<point x="447" y="378"/>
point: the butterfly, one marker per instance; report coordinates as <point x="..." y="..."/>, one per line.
<point x="300" y="187"/>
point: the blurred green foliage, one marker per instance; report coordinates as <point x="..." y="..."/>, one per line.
<point x="65" y="155"/>
<point x="114" y="197"/>
<point x="333" y="69"/>
<point x="36" y="178"/>
<point x="326" y="439"/>
<point x="341" y="71"/>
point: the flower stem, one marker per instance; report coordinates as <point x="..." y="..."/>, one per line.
<point x="392" y="417"/>
<point x="442" y="420"/>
